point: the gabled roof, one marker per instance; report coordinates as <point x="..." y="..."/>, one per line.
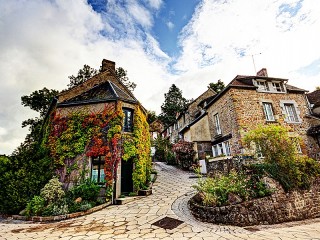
<point x="243" y="81"/>
<point x="314" y="97"/>
<point x="106" y="91"/>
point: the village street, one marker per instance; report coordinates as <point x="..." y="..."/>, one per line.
<point x="134" y="220"/>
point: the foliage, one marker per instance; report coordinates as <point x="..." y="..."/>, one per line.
<point x="88" y="190"/>
<point x="184" y="153"/>
<point x="122" y="76"/>
<point x="83" y="75"/>
<point x="151" y="116"/>
<point x="274" y="142"/>
<point x="318" y="88"/>
<point x="35" y="206"/>
<point x="142" y="159"/>
<point x="218" y="190"/>
<point x="282" y="162"/>
<point x="163" y="149"/>
<point x="218" y="86"/>
<point x="174" y="103"/>
<point x="52" y="191"/>
<point x="170" y="158"/>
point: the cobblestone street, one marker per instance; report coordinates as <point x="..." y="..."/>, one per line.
<point x="134" y="220"/>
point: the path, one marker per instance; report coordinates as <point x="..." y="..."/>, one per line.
<point x="134" y="220"/>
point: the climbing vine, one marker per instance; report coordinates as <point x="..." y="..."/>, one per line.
<point x="95" y="134"/>
<point x="137" y="147"/>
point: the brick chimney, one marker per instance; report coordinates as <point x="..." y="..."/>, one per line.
<point x="262" y="73"/>
<point x="107" y="64"/>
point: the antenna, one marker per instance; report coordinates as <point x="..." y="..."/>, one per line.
<point x="254" y="65"/>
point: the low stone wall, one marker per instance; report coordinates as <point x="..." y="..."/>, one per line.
<point x="278" y="208"/>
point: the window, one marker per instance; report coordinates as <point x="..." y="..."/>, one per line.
<point x="217" y="123"/>
<point x="291" y="112"/>
<point x="277" y="87"/>
<point x="222" y="148"/>
<point x="128" y="120"/>
<point x="227" y="147"/>
<point x="267" y="108"/>
<point x="97" y="169"/>
<point x="263" y="85"/>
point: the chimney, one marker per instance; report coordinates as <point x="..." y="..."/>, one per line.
<point x="107" y="64"/>
<point x="262" y="73"/>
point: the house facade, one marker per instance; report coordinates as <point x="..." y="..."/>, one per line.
<point x="192" y="125"/>
<point x="245" y="103"/>
<point x="99" y="131"/>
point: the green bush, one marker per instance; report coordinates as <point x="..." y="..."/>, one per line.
<point x="88" y="190"/>
<point x="52" y="192"/>
<point x="282" y="161"/>
<point x="35" y="206"/>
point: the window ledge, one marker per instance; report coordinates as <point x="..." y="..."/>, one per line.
<point x="293" y="122"/>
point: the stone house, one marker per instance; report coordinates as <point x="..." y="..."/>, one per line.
<point x="217" y="123"/>
<point x="248" y="101"/>
<point x="192" y="125"/>
<point x="93" y="130"/>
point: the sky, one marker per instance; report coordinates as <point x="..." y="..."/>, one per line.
<point x="189" y="43"/>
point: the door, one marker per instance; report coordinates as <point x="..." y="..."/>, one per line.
<point x="126" y="176"/>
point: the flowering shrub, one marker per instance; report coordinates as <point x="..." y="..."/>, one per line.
<point x="282" y="161"/>
<point x="184" y="153"/>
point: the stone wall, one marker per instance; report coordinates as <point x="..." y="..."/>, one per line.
<point x="278" y="208"/>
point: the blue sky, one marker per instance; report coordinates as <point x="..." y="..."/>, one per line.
<point x="159" y="42"/>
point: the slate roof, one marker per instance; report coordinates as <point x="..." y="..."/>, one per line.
<point x="106" y="91"/>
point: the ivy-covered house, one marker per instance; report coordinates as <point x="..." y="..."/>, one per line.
<point x="98" y="130"/>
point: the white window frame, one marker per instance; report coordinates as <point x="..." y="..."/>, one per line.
<point x="222" y="148"/>
<point x="263" y="85"/>
<point x="217" y="124"/>
<point x="269" y="86"/>
<point x="268" y="111"/>
<point x="285" y="111"/>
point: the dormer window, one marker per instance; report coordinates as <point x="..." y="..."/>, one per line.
<point x="263" y="86"/>
<point x="270" y="86"/>
<point x="278" y="87"/>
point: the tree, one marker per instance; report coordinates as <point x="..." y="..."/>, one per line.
<point x="151" y="116"/>
<point x="38" y="101"/>
<point x="88" y="72"/>
<point x="318" y="88"/>
<point x="122" y="75"/>
<point x="218" y="86"/>
<point x="174" y="103"/>
<point x="83" y="75"/>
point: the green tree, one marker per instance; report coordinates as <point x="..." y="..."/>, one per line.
<point x="174" y="103"/>
<point x="83" y="75"/>
<point x="151" y="116"/>
<point x="218" y="86"/>
<point x="123" y="77"/>
<point x="38" y="101"/>
<point x="318" y="88"/>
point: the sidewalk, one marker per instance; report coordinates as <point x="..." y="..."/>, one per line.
<point x="135" y="220"/>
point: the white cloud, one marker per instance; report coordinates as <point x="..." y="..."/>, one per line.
<point x="220" y="30"/>
<point x="43" y="42"/>
<point x="156" y="4"/>
<point x="170" y="25"/>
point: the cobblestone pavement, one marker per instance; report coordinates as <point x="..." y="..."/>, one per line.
<point x="134" y="220"/>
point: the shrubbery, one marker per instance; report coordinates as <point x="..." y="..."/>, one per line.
<point x="281" y="159"/>
<point x="53" y="200"/>
<point x="184" y="153"/>
<point x="232" y="188"/>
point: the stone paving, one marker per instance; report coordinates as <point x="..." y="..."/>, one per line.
<point x="134" y="220"/>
